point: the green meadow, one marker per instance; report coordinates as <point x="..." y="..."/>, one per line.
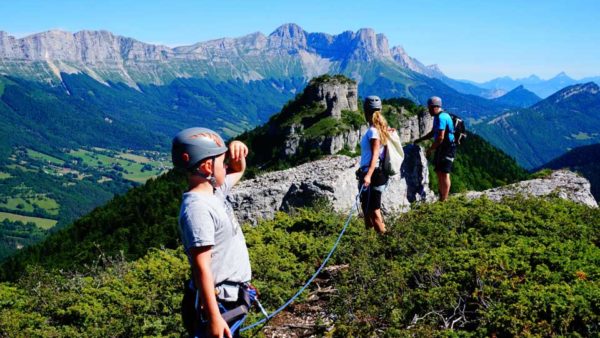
<point x="43" y="223"/>
<point x="44" y="157"/>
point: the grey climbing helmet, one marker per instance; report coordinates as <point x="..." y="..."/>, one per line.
<point x="434" y="101"/>
<point x="372" y="103"/>
<point x="198" y="144"/>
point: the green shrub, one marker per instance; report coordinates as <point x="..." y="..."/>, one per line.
<point x="544" y="173"/>
<point x="523" y="267"/>
<point x="122" y="299"/>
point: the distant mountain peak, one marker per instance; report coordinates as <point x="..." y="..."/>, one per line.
<point x="288" y="29"/>
<point x="584" y="88"/>
<point x="435" y="68"/>
<point x="578" y="92"/>
<point x="366" y="33"/>
<point x="519" y="97"/>
<point x="562" y="76"/>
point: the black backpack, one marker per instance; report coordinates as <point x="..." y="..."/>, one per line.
<point x="460" y="131"/>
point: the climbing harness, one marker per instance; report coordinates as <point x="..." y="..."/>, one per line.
<point x="281" y="308"/>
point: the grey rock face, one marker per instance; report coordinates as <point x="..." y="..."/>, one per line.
<point x="329" y="145"/>
<point x="332" y="178"/>
<point x="415" y="126"/>
<point x="288" y="36"/>
<point x="565" y="184"/>
<point x="335" y="95"/>
<point x="293" y="139"/>
<point x="399" y="55"/>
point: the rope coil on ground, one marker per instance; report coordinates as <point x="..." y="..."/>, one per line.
<point x="286" y="304"/>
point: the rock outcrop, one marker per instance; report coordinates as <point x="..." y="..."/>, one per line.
<point x="414" y="126"/>
<point x="333" y="179"/>
<point x="562" y="183"/>
<point x="328" y="144"/>
<point x="336" y="95"/>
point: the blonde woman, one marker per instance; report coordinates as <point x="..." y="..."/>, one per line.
<point x="370" y="175"/>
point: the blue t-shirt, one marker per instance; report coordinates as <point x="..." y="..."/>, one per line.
<point x="440" y="122"/>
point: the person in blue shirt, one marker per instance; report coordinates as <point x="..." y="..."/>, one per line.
<point x="443" y="144"/>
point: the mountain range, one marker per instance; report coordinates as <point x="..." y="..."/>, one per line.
<point x="287" y="53"/>
<point x="534" y="83"/>
<point x="567" y="119"/>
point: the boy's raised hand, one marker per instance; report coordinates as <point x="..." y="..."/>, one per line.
<point x="237" y="161"/>
<point x="237" y="151"/>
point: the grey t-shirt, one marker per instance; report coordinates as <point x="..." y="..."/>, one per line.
<point x="208" y="220"/>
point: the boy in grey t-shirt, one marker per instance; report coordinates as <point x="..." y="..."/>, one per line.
<point x="211" y="236"/>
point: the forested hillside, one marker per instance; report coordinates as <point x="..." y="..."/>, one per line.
<point x="117" y="116"/>
<point x="567" y="119"/>
<point x="52" y="170"/>
<point x="480" y="166"/>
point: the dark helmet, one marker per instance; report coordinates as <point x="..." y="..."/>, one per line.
<point x="434" y="101"/>
<point x="372" y="103"/>
<point x="198" y="144"/>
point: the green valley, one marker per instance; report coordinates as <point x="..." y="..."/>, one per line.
<point x="46" y="190"/>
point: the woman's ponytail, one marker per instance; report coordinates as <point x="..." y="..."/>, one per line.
<point x="381" y="125"/>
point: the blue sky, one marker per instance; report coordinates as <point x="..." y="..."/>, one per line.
<point x="475" y="40"/>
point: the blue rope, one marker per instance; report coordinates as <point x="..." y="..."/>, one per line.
<point x="274" y="313"/>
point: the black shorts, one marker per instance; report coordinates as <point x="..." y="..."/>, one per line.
<point x="444" y="158"/>
<point x="370" y="198"/>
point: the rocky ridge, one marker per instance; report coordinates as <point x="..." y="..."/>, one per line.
<point x="105" y="56"/>
<point x="333" y="179"/>
<point x="562" y="183"/>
